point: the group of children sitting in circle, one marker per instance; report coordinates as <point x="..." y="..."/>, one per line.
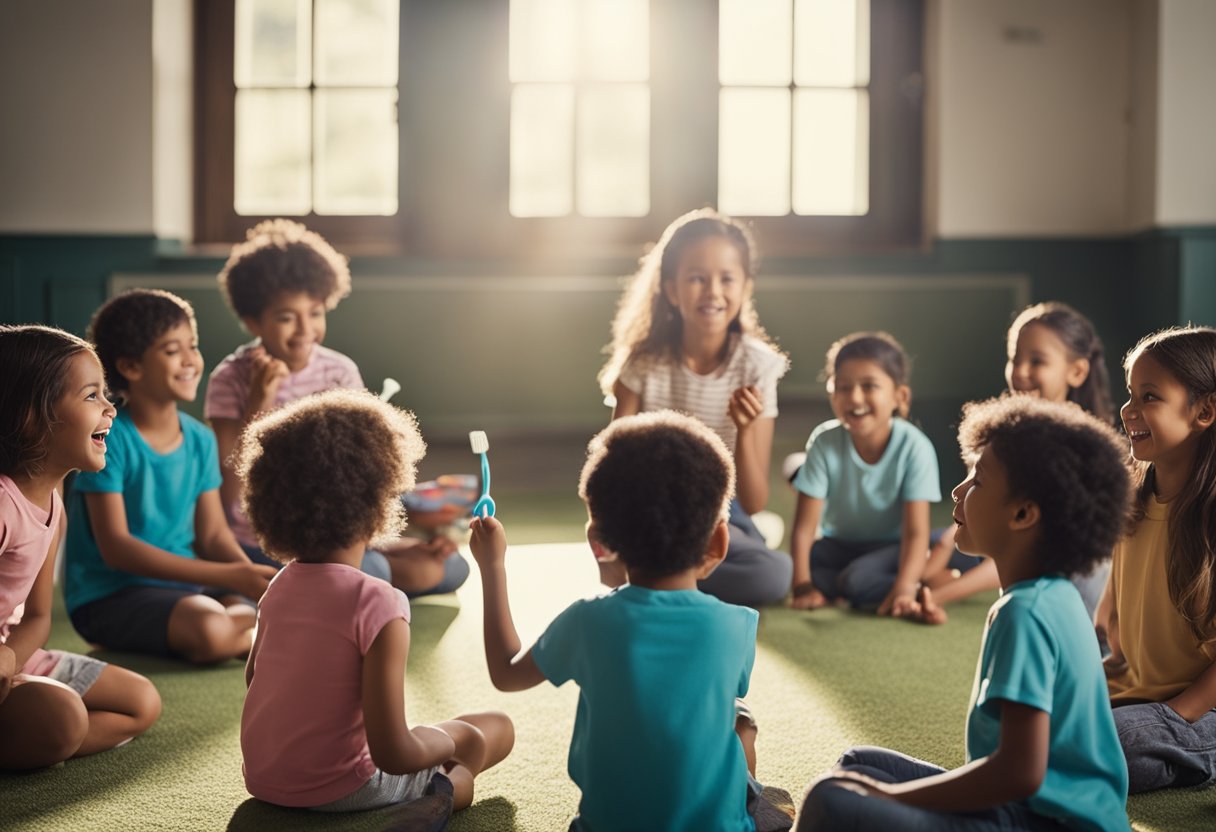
<point x="276" y="534"/>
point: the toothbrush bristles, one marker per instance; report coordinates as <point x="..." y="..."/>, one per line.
<point x="479" y="441"/>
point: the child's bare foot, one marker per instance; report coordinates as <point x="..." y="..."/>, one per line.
<point x="807" y="597"/>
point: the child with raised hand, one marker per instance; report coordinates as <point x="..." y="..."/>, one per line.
<point x="1045" y="498"/>
<point x="1162" y="590"/>
<point x="54" y="417"/>
<point x="342" y="744"/>
<point x="280" y="283"/>
<point x="658" y="742"/>
<point x="687" y="337"/>
<point x="152" y="566"/>
<point x="868" y="479"/>
<point x="1054" y="353"/>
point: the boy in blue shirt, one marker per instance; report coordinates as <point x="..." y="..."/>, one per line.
<point x="658" y="742"/>
<point x="1045" y="499"/>
<point x="152" y="566"/>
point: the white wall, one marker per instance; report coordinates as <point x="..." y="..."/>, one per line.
<point x="1186" y="181"/>
<point x="76" y="117"/>
<point x="1031" y="117"/>
<point x="1145" y="83"/>
<point x="173" y="118"/>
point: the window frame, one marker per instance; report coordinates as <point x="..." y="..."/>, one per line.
<point x="442" y="215"/>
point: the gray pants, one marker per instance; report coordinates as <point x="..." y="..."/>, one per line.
<point x="1165" y="750"/>
<point x="752" y="574"/>
<point x="828" y="806"/>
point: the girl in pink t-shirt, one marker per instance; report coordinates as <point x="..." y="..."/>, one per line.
<point x="54" y="417"/>
<point x="324" y="723"/>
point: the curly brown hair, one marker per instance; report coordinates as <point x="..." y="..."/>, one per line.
<point x="127" y="324"/>
<point x="327" y="471"/>
<point x="282" y="256"/>
<point x="1069" y="462"/>
<point x="34" y="362"/>
<point x="656" y="484"/>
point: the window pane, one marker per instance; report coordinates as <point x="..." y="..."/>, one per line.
<point x="754" y="152"/>
<point x="272" y="152"/>
<point x="542" y="150"/>
<point x="356" y="42"/>
<point x="754" y="41"/>
<point x="355" y="170"/>
<point x="542" y="40"/>
<point x="616" y="34"/>
<point x="831" y="152"/>
<point x="614" y="151"/>
<point x="832" y="43"/>
<point x="273" y="43"/>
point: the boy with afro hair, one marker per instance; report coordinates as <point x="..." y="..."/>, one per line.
<point x="1046" y="498"/>
<point x="659" y="741"/>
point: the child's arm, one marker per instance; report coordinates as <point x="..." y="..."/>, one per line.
<point x="1197" y="699"/>
<point x="35" y="627"/>
<point x="1106" y="625"/>
<point x="753" y="448"/>
<point x="396" y="749"/>
<point x="628" y="403"/>
<point x="939" y="557"/>
<point x="253" y="654"/>
<point x="123" y="551"/>
<point x="1013" y="772"/>
<point x="802" y="537"/>
<point x="913" y="548"/>
<point x="213" y="537"/>
<point x="508" y="669"/>
<point x="227" y="434"/>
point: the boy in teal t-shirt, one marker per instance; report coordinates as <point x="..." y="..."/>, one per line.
<point x="659" y="742"/>
<point x="152" y="566"/>
<point x="1044" y="500"/>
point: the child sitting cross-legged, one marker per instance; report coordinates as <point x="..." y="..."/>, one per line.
<point x="1045" y="499"/>
<point x="659" y="742"/>
<point x="324" y="725"/>
<point x="152" y="566"/>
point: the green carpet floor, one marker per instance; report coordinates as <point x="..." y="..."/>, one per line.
<point x="822" y="682"/>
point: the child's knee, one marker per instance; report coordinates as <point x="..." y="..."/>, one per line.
<point x="206" y="637"/>
<point x="56" y="718"/>
<point x="145" y="703"/>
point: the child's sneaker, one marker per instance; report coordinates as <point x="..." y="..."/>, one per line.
<point x="774" y="811"/>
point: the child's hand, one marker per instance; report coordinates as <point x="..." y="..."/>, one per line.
<point x="899" y="591"/>
<point x="922" y="608"/>
<point x="745" y="406"/>
<point x="251" y="579"/>
<point x="808" y="598"/>
<point x="267" y="374"/>
<point x="488" y="542"/>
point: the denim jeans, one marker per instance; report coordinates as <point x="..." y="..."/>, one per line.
<point x="863" y="572"/>
<point x="752" y="574"/>
<point x="1165" y="750"/>
<point x="829" y="806"/>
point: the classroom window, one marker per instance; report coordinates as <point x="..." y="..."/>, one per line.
<point x="316" y="107"/>
<point x="530" y="129"/>
<point x="580" y="108"/>
<point x="794" y="107"/>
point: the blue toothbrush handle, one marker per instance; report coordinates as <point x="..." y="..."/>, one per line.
<point x="484" y="506"/>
